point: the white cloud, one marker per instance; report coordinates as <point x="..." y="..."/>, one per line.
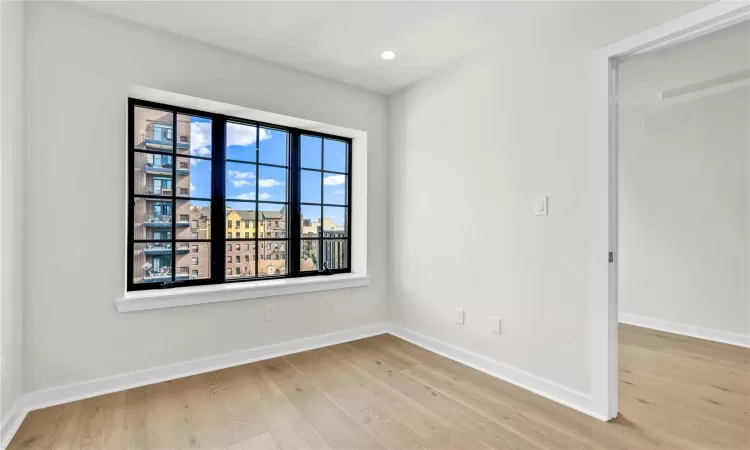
<point x="200" y="138"/>
<point x="239" y="175"/>
<point x="240" y="183"/>
<point x="267" y="183"/>
<point x="246" y="196"/>
<point x="192" y="188"/>
<point x="238" y="134"/>
<point x="251" y="196"/>
<point x="334" y="180"/>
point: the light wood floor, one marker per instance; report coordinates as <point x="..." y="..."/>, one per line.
<point x="381" y="392"/>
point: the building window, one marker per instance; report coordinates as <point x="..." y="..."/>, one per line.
<point x="282" y="185"/>
<point x="237" y="270"/>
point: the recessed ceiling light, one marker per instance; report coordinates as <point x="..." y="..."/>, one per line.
<point x="388" y="54"/>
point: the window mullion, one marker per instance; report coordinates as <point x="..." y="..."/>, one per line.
<point x="173" y="185"/>
<point x="295" y="209"/>
<point x="218" y="215"/>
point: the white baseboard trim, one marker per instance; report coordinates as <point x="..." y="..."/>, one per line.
<point x="87" y="389"/>
<point x="724" y="337"/>
<point x="11" y="423"/>
<point x="548" y="389"/>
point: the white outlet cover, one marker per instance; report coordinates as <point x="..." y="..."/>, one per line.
<point x="541" y="205"/>
<point x="496" y="323"/>
<point x="460" y="316"/>
<point x="270" y="312"/>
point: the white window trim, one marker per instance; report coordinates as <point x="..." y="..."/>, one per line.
<point x="195" y="295"/>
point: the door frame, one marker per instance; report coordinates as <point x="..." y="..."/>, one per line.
<point x="603" y="233"/>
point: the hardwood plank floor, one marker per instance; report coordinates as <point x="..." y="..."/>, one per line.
<point x="382" y="392"/>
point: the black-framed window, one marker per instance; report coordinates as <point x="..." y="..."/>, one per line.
<point x="281" y="196"/>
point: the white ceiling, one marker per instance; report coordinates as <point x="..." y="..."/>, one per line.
<point x="342" y="41"/>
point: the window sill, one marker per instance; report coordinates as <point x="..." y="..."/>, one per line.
<point x="197" y="295"/>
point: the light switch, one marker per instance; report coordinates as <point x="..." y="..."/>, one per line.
<point x="540" y="206"/>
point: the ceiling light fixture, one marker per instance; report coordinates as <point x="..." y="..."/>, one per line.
<point x="388" y="54"/>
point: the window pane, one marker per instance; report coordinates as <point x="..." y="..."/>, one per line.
<point x="310" y="186"/>
<point x="152" y="219"/>
<point x="152" y="262"/>
<point x="272" y="183"/>
<point x="193" y="177"/>
<point x="309" y="255"/>
<point x="335" y="254"/>
<point x="240" y="140"/>
<point x="241" y="263"/>
<point x="193" y="219"/>
<point x="273" y="147"/>
<point x="334" y="153"/>
<point x="310" y="217"/>
<point x="196" y="257"/>
<point x="153" y="129"/>
<point x="272" y="258"/>
<point x="152" y="174"/>
<point x="334" y="188"/>
<point x="242" y="214"/>
<point x="240" y="181"/>
<point x="193" y="135"/>
<point x="310" y="149"/>
<point x="272" y="220"/>
<point x="334" y="221"/>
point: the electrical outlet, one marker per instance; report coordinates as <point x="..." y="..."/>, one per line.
<point x="460" y="316"/>
<point x="270" y="312"/>
<point x="496" y="325"/>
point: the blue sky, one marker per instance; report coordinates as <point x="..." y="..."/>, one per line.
<point x="241" y="178"/>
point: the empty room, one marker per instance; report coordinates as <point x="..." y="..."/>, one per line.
<point x="368" y="225"/>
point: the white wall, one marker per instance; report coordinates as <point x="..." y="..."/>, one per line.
<point x="11" y="212"/>
<point x="471" y="147"/>
<point x="684" y="219"/>
<point x="79" y="65"/>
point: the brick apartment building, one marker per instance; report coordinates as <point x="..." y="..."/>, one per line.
<point x="152" y="262"/>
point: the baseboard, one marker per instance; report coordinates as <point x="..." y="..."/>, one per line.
<point x="724" y="337"/>
<point x="11" y="423"/>
<point x="87" y="389"/>
<point x="545" y="388"/>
